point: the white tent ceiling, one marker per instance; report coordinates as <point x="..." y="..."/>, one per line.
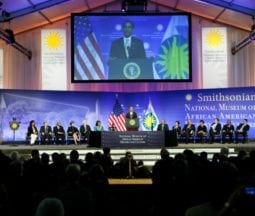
<point x="28" y="14"/>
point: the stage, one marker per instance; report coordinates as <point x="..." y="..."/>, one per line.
<point x="148" y="155"/>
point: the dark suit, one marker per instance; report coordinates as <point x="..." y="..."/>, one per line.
<point x="177" y="130"/>
<point x="59" y="134"/>
<point x="216" y="132"/>
<point x="133" y="116"/>
<point x="227" y="130"/>
<point x="85" y="131"/>
<point x="244" y="132"/>
<point x="202" y="133"/>
<point x="46" y="134"/>
<point x="31" y="131"/>
<point x="163" y="127"/>
<point x="136" y="49"/>
<point x="188" y="131"/>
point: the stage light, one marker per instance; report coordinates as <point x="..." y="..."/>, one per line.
<point x="246" y="40"/>
<point x="10" y="36"/>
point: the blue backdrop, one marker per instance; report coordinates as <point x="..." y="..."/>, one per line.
<point x="232" y="103"/>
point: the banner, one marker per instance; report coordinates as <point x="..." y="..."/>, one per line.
<point x="214" y="57"/>
<point x="65" y="106"/>
<point x="1" y="68"/>
<point x="53" y="48"/>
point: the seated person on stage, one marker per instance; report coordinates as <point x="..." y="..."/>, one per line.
<point x="163" y="126"/>
<point x="59" y="133"/>
<point x="46" y="133"/>
<point x="72" y="131"/>
<point x="215" y="129"/>
<point x="32" y="132"/>
<point x="177" y="128"/>
<point x="201" y="131"/>
<point x="112" y="127"/>
<point x="242" y="129"/>
<point x="228" y="130"/>
<point x="188" y="130"/>
<point x="98" y="126"/>
<point x="85" y="131"/>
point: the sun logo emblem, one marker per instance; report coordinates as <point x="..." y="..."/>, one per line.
<point x="172" y="61"/>
<point x="53" y="40"/>
<point x="214" y="39"/>
<point x="149" y="121"/>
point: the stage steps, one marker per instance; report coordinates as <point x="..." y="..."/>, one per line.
<point x="148" y="155"/>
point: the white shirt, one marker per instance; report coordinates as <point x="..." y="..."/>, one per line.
<point x="127" y="45"/>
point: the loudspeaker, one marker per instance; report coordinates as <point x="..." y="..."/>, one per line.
<point x="95" y="139"/>
<point x="170" y="138"/>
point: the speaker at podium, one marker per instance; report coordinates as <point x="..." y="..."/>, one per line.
<point x="132" y="124"/>
<point x="130" y="69"/>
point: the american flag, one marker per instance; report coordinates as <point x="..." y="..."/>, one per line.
<point x="117" y="117"/>
<point x="87" y="55"/>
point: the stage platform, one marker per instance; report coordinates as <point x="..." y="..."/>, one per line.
<point x="148" y="155"/>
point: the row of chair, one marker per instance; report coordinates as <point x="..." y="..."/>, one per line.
<point x="218" y="138"/>
<point x="58" y="140"/>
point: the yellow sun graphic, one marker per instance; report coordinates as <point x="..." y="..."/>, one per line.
<point x="53" y="40"/>
<point x="214" y="38"/>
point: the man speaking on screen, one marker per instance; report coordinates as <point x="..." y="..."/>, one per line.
<point x="127" y="46"/>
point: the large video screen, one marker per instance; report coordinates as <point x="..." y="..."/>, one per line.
<point x="131" y="47"/>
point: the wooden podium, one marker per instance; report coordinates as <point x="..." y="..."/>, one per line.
<point x="132" y="124"/>
<point x="130" y="69"/>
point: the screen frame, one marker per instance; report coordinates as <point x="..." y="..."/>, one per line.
<point x="132" y="80"/>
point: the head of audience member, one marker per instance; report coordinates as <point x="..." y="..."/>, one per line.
<point x="127" y="28"/>
<point x="55" y="157"/>
<point x="73" y="172"/>
<point x="45" y="158"/>
<point x="164" y="153"/>
<point x="14" y="156"/>
<point x="98" y="123"/>
<point x="58" y="123"/>
<point x="35" y="154"/>
<point x="74" y="156"/>
<point x="129" y="155"/>
<point x="106" y="151"/>
<point x="50" y="207"/>
<point x="204" y="155"/>
<point x="45" y="124"/>
<point x="224" y="152"/>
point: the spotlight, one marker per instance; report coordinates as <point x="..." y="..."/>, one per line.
<point x="11" y="37"/>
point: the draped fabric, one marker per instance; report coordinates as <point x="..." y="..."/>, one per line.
<point x="22" y="73"/>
